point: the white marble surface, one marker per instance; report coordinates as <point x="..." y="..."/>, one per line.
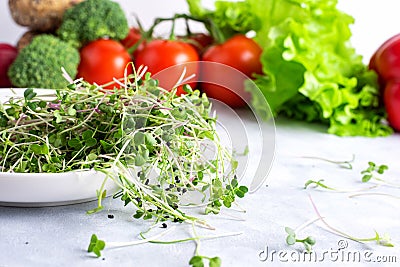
<point x="59" y="236"/>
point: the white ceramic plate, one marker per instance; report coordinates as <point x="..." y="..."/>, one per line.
<point x="49" y="189"/>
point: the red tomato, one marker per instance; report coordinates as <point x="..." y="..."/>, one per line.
<point x="239" y="52"/>
<point x="133" y="37"/>
<point x="391" y="98"/>
<point x="386" y="60"/>
<point x="158" y="55"/>
<point x="200" y="41"/>
<point x="8" y="53"/>
<point x="102" y="60"/>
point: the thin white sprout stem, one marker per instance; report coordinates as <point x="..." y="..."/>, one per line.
<point x="374" y="194"/>
<point x="138" y="242"/>
<point x="180" y="78"/>
<point x="307" y="223"/>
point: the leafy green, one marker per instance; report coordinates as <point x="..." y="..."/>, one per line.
<point x="311" y="71"/>
<point x="227" y="19"/>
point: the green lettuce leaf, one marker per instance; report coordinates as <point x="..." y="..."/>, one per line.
<point x="314" y="73"/>
<point x="228" y="18"/>
<point x="311" y="71"/>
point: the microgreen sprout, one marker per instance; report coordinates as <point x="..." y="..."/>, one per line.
<point x="383" y="240"/>
<point x="320" y="183"/>
<point x="372" y="171"/>
<point x="198" y="261"/>
<point x="292" y="239"/>
<point x="347" y="164"/>
<point x="96" y="245"/>
<point x="375" y="194"/>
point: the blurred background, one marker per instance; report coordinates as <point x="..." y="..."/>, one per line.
<point x="375" y="20"/>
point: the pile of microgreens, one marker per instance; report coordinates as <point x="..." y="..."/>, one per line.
<point x="156" y="146"/>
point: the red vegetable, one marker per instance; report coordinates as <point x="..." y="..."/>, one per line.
<point x="386" y="62"/>
<point x="131" y="41"/>
<point x="102" y="60"/>
<point x="391" y="98"/>
<point x="158" y="55"/>
<point x="199" y="41"/>
<point x="239" y="52"/>
<point x="8" y="53"/>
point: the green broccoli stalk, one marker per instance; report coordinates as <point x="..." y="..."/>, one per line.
<point x="39" y="64"/>
<point x="91" y="20"/>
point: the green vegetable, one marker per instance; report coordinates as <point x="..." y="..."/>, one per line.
<point x="91" y="20"/>
<point x="311" y="71"/>
<point x="39" y="64"/>
<point x="135" y="135"/>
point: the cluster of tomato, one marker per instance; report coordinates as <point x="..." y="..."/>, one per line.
<point x="386" y="62"/>
<point x="104" y="59"/>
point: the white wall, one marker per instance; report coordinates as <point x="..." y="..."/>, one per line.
<point x="376" y="20"/>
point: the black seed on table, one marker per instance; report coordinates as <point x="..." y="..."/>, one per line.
<point x="110" y="216"/>
<point x="164" y="225"/>
<point x="26" y="243"/>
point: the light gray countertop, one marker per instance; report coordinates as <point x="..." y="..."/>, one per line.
<point x="59" y="236"/>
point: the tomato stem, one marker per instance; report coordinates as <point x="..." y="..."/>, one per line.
<point x="186" y="17"/>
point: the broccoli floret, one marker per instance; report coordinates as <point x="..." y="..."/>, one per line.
<point x="39" y="64"/>
<point x="91" y="20"/>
